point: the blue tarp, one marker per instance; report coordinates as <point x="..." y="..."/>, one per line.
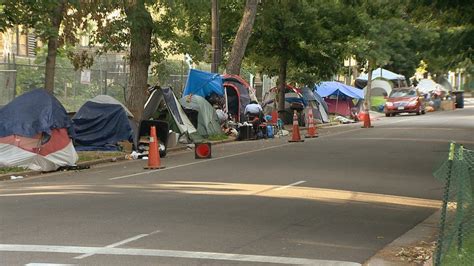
<point x="99" y="126"/>
<point x="327" y="88"/>
<point x="203" y="83"/>
<point x="32" y="113"/>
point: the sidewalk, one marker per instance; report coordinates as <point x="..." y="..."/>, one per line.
<point x="415" y="245"/>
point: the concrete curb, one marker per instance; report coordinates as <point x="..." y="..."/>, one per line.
<point x="425" y="231"/>
<point x="6" y="177"/>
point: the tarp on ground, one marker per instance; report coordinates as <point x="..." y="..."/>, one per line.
<point x="35" y="133"/>
<point x="208" y="123"/>
<point x="327" y="88"/>
<point x="163" y="105"/>
<point x="203" y="83"/>
<point x="101" y="123"/>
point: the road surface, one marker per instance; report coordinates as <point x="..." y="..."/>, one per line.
<point x="333" y="200"/>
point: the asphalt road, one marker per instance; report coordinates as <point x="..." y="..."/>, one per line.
<point x="333" y="200"/>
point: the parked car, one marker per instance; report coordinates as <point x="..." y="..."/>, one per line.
<point x="404" y="100"/>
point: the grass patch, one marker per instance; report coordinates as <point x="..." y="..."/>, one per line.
<point x="466" y="257"/>
<point x="6" y="170"/>
<point x="217" y="137"/>
<point x="85" y="156"/>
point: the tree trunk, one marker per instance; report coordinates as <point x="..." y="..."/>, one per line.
<point x="282" y="83"/>
<point x="140" y="30"/>
<point x="369" y="88"/>
<point x="215" y="36"/>
<point x="53" y="43"/>
<point x="241" y="39"/>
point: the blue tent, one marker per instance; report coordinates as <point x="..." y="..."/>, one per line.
<point x="327" y="88"/>
<point x="101" y="123"/>
<point x="203" y="83"/>
<point x="32" y="113"/>
<point x="35" y="133"/>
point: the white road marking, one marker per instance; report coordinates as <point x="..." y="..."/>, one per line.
<point x="173" y="254"/>
<point x="47" y="264"/>
<point x="128" y="240"/>
<point x="198" y="162"/>
<point x="223" y="157"/>
<point x="291" y="185"/>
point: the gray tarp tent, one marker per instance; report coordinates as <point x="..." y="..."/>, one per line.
<point x="313" y="100"/>
<point x="163" y="105"/>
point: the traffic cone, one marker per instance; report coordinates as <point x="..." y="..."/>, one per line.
<point x="154" y="161"/>
<point x="312" y="130"/>
<point x="366" y="119"/>
<point x="295" y="136"/>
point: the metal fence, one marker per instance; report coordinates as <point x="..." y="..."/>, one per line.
<point x="73" y="88"/>
<point x="455" y="245"/>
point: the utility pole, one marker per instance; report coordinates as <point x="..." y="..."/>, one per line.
<point x="215" y="36"/>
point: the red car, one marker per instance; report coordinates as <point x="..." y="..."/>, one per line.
<point x="404" y="100"/>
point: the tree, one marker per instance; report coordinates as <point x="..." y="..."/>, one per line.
<point x="309" y="36"/>
<point x="451" y="28"/>
<point x="384" y="38"/>
<point x="46" y="17"/>
<point x="241" y="39"/>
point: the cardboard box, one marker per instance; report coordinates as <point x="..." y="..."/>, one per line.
<point x="447" y="105"/>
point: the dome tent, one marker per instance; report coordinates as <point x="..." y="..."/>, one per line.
<point x="35" y="133"/>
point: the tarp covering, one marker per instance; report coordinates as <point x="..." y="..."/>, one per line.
<point x="328" y="88"/>
<point x="35" y="133"/>
<point x="428" y="85"/>
<point x="110" y="100"/>
<point x="208" y="123"/>
<point x="34" y="112"/>
<point x="203" y="83"/>
<point x="382" y="73"/>
<point x="164" y="99"/>
<point x="101" y="123"/>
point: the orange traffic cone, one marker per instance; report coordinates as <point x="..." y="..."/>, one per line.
<point x="295" y="136"/>
<point x="312" y="130"/>
<point x="154" y="161"/>
<point x="366" y="119"/>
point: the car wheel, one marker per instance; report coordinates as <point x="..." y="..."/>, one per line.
<point x="423" y="112"/>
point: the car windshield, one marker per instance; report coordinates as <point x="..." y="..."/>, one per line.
<point x="402" y="93"/>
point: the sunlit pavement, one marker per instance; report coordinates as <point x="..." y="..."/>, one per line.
<point x="332" y="200"/>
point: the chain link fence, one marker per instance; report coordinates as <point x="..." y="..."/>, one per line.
<point x="455" y="245"/>
<point x="73" y="88"/>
